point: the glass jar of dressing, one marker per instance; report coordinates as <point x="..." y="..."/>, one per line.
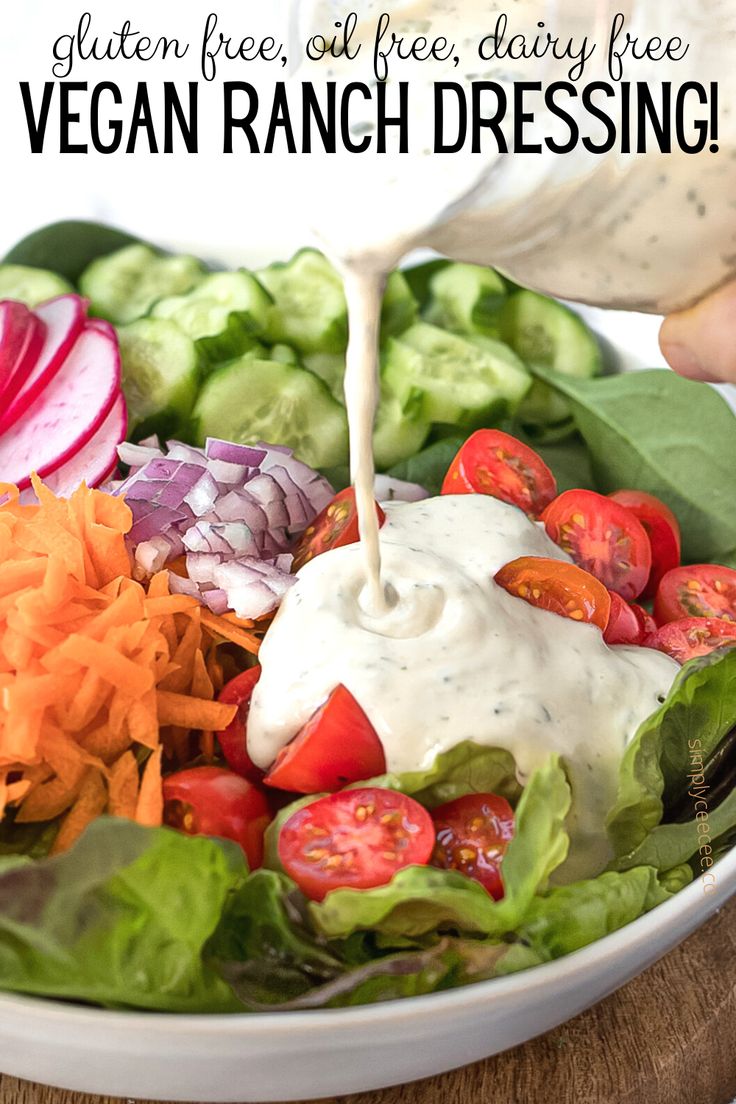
<point x="644" y="230"/>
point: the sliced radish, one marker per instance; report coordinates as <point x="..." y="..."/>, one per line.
<point x="22" y="335"/>
<point x="93" y="463"/>
<point x="67" y="414"/>
<point x="103" y="327"/>
<point x="62" y="320"/>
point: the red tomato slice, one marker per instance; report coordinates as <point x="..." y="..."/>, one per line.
<point x="603" y="537"/>
<point x="337" y="746"/>
<point x="692" y="636"/>
<point x="557" y="586"/>
<point x="233" y="739"/>
<point x="356" y="839"/>
<point x="624" y="626"/>
<point x="663" y="531"/>
<point x="647" y="623"/>
<point x="335" y="527"/>
<point x="494" y="463"/>
<point x="705" y="590"/>
<point x="212" y="801"/>
<point x="473" y="833"/>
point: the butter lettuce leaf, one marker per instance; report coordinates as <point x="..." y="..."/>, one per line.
<point x="698" y="713"/>
<point x="423" y="899"/>
<point x="120" y="920"/>
<point x="565" y="919"/>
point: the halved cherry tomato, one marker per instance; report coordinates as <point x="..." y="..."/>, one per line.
<point x="494" y="463"/>
<point x="473" y="833"/>
<point x="692" y="636"/>
<point x="233" y="739"/>
<point x="704" y="590"/>
<point x="624" y="626"/>
<point x="212" y="801"/>
<point x="335" y="527"/>
<point x="603" y="537"/>
<point x="557" y="586"/>
<point x="663" y="531"/>
<point x="337" y="746"/>
<point x="356" y="839"/>
<point x="647" y="624"/>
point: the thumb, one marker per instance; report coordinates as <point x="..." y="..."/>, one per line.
<point x="701" y="342"/>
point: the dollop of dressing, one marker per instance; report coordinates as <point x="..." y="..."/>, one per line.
<point x="453" y="657"/>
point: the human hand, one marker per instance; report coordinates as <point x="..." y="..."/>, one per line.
<point x="700" y="343"/>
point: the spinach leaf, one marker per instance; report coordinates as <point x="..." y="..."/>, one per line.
<point x="429" y="467"/>
<point x="657" y="432"/>
<point x="68" y="247"/>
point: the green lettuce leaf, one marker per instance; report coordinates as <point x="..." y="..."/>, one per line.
<point x="670" y="845"/>
<point x="698" y="712"/>
<point x="120" y="920"/>
<point x="565" y="919"/>
<point x="422" y="899"/>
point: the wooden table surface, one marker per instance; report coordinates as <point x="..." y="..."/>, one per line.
<point x="669" y="1037"/>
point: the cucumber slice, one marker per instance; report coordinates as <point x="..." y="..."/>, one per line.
<point x="309" y="310"/>
<point x="330" y="367"/>
<point x="399" y="431"/>
<point x="223" y="314"/>
<point x="262" y="400"/>
<point x="545" y="333"/>
<point x="400" y="309"/>
<point x="160" y="376"/>
<point x="31" y="285"/>
<point x="463" y="381"/>
<point x="465" y="298"/>
<point x="124" y="285"/>
<point x="419" y="276"/>
<point x="284" y="354"/>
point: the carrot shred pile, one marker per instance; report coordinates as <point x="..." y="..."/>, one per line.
<point x="102" y="678"/>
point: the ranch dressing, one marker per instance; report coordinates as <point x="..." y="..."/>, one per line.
<point x="411" y="621"/>
<point x="456" y="658"/>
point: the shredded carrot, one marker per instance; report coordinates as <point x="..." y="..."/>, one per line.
<point x="100" y="675"/>
<point x="222" y="627"/>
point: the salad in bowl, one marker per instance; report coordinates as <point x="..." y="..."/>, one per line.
<point x="232" y="779"/>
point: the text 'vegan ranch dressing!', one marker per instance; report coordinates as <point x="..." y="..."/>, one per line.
<point x="411" y="621"/>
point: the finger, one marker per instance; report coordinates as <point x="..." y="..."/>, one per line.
<point x="700" y="343"/>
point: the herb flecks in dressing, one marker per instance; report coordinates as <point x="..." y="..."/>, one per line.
<point x="457" y="658"/>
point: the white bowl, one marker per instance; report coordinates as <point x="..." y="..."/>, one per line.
<point x="306" y="1055"/>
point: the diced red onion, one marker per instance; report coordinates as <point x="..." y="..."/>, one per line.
<point x="388" y="489"/>
<point x="233" y="510"/>
<point x="215" y="449"/>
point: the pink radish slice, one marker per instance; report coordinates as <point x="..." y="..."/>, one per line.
<point x="22" y="335"/>
<point x="66" y="415"/>
<point x="96" y="460"/>
<point x="103" y="327"/>
<point x="63" y="320"/>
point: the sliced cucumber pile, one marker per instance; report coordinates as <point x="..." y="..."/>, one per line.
<point x="261" y="355"/>
<point x="123" y="286"/>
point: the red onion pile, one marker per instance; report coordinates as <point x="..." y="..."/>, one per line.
<point x="232" y="510"/>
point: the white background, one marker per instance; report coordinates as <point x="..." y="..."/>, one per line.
<point x="241" y="206"/>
